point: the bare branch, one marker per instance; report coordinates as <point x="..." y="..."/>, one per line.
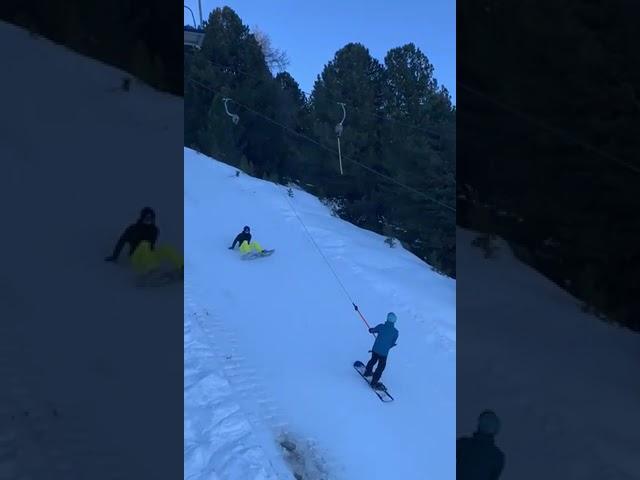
<point x="276" y="59"/>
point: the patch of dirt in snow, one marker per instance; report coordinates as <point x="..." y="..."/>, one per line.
<point x="304" y="458"/>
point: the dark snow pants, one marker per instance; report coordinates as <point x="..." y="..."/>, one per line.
<point x="381" y="361"/>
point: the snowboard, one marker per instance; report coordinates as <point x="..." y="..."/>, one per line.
<point x="160" y="277"/>
<point x="380" y="390"/>
<point x="254" y="255"/>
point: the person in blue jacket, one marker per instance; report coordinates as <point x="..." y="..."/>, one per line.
<point x="477" y="456"/>
<point x="387" y="336"/>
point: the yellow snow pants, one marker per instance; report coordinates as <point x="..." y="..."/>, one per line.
<point x="144" y="259"/>
<point x="247" y="247"/>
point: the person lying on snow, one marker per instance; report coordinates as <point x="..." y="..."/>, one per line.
<point x="141" y="237"/>
<point x="243" y="239"/>
<point x="387" y="336"/>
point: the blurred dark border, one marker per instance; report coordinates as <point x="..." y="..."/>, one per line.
<point x="548" y="108"/>
<point x="548" y="160"/>
<point x="137" y="36"/>
<point x="144" y="39"/>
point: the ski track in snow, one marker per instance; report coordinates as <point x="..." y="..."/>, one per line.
<point x="225" y="394"/>
<point x="216" y="387"/>
<point x="285" y="335"/>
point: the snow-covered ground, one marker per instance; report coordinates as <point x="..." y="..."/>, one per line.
<point x="269" y="343"/>
<point x="80" y="347"/>
<point x="564" y="383"/>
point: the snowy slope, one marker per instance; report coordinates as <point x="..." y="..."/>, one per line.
<point x="74" y="150"/>
<point x="269" y="344"/>
<point x="563" y="382"/>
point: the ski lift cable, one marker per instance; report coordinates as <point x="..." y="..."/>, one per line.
<point x="326" y="260"/>
<point x="339" y="126"/>
<point x="377" y="115"/>
<point x="360" y="164"/>
<point x="552" y="129"/>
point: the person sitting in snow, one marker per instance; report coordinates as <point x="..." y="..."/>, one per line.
<point x="141" y="237"/>
<point x="387" y="336"/>
<point x="478" y="457"/>
<point x="243" y="239"/>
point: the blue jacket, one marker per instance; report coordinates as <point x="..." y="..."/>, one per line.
<point x="387" y="338"/>
<point x="478" y="458"/>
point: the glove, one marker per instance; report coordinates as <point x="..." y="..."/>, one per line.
<point x="355" y="306"/>
<point x="371" y="330"/>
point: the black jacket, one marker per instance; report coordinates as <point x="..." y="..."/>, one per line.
<point x="478" y="458"/>
<point x="134" y="235"/>
<point x="242" y="237"/>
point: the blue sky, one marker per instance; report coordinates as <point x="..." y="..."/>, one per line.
<point x="300" y="28"/>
